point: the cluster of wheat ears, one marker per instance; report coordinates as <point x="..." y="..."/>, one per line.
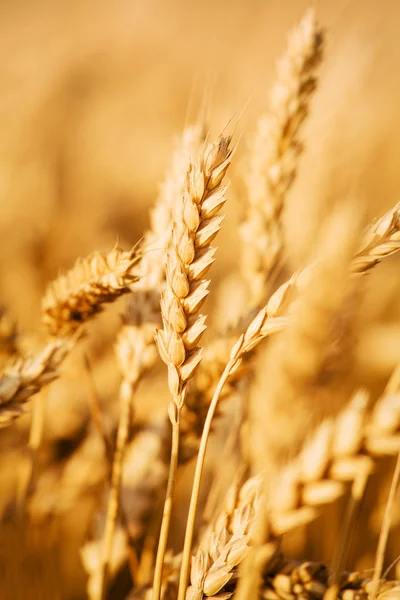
<point x="282" y="476"/>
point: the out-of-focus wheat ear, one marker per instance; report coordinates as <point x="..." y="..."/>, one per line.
<point x="313" y="356"/>
<point x="303" y="370"/>
<point x="74" y="298"/>
<point x="187" y="263"/>
<point x="336" y="454"/>
<point x="380" y="240"/>
<point x="136" y="354"/>
<point x="274" y="155"/>
<point x="23" y="377"/>
<point x="158" y="237"/>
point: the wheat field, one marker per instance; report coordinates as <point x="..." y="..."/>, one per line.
<point x="199" y="315"/>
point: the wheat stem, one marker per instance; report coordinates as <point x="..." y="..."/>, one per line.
<point x="126" y="394"/>
<point x="256" y="331"/>
<point x="184" y="574"/>
<point x="166" y="519"/>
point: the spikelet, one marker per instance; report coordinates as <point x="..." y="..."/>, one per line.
<point x="188" y="261"/>
<point x="22" y="378"/>
<point x="275" y="153"/>
<point x="381" y="239"/>
<point x="77" y="296"/>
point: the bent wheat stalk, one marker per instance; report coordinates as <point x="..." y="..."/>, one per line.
<point x="188" y="260"/>
<point x="259" y="328"/>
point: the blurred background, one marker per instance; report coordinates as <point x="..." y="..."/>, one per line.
<point x="92" y="95"/>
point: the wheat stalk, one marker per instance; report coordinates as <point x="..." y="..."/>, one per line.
<point x="77" y="296"/>
<point x="260" y="328"/>
<point x="136" y="354"/>
<point x="188" y="261"/>
<point x="274" y="155"/>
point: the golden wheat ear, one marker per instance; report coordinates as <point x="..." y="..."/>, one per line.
<point x="274" y="155"/>
<point x="187" y="263"/>
<point x="74" y="298"/>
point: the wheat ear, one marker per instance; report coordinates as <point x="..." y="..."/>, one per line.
<point x="224" y="546"/>
<point x="23" y="377"/>
<point x="77" y="296"/>
<point x="274" y="155"/>
<point x="188" y="260"/>
<point x="136" y="354"/>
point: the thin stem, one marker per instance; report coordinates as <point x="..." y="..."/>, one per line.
<point x="28" y="472"/>
<point x="357" y="493"/>
<point x="96" y="410"/>
<point x="166" y="519"/>
<point x="384" y="533"/>
<point x="184" y="574"/>
<point x="127" y="390"/>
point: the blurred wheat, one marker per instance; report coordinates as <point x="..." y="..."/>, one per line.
<point x="259" y="463"/>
